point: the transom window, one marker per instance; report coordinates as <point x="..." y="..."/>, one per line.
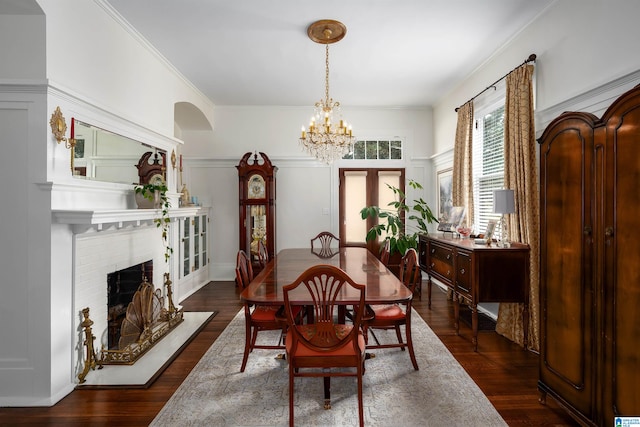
<point x="390" y="149"/>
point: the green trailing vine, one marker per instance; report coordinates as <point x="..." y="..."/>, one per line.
<point x="148" y="191"/>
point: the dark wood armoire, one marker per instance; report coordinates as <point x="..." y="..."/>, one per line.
<point x="590" y="262"/>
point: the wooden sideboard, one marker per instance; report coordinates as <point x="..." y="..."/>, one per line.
<point x="476" y="274"/>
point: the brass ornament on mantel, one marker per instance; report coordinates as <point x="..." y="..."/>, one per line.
<point x="59" y="129"/>
<point x="173" y="159"/>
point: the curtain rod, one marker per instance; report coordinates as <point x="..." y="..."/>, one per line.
<point x="531" y="58"/>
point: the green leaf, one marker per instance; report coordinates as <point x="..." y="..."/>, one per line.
<point x="393" y="222"/>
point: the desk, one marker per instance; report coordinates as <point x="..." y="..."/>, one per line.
<point x="477" y="273"/>
<point x="360" y="264"/>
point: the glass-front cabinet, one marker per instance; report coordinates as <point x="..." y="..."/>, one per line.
<point x="193" y="250"/>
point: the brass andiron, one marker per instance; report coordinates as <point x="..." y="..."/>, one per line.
<point x="91" y="361"/>
<point x="171" y="308"/>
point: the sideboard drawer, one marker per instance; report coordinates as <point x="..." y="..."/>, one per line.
<point x="441" y="261"/>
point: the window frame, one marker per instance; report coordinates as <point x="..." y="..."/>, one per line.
<point x="487" y="104"/>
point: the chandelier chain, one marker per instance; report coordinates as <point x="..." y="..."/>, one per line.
<point x="326" y="79"/>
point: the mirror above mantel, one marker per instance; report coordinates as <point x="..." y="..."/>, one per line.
<point x="101" y="155"/>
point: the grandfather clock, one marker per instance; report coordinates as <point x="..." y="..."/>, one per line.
<point x="257" y="190"/>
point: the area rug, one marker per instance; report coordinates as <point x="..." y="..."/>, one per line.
<point x="441" y="393"/>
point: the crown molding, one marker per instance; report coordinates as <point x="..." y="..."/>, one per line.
<point x="595" y="100"/>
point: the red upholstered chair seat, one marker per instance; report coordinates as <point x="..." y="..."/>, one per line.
<point x="268" y="313"/>
<point x="308" y="331"/>
<point x="388" y="312"/>
<point x="264" y="313"/>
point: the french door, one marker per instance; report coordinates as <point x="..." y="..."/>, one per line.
<point x="360" y="187"/>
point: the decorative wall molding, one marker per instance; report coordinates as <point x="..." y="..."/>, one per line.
<point x="23" y="86"/>
<point x="442" y="160"/>
<point x="103" y="116"/>
<point x="595" y="101"/>
<point x="121" y="218"/>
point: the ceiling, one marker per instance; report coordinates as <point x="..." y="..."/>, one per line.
<point x="396" y="53"/>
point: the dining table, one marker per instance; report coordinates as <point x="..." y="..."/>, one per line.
<point x="382" y="286"/>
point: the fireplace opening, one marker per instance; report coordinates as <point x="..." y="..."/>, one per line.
<point x="121" y="286"/>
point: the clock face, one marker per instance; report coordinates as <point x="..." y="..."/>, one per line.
<point x="156" y="179"/>
<point x="256" y="187"/>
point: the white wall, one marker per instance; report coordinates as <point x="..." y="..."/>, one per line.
<point x="22" y="61"/>
<point x="305" y="187"/>
<point x="580" y="45"/>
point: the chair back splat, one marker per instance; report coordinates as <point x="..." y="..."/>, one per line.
<point x="386" y="252"/>
<point x="326" y="243"/>
<point x="324" y="347"/>
<point x="263" y="254"/>
<point x="244" y="270"/>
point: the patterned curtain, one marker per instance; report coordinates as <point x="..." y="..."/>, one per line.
<point x="521" y="175"/>
<point x="462" y="178"/>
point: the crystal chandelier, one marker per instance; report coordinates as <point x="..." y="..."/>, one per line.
<point x="327" y="139"/>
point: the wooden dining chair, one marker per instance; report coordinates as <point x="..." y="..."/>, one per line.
<point x="259" y="317"/>
<point x="324" y="348"/>
<point x="385" y="253"/>
<point x="263" y="254"/>
<point x="327" y="243"/>
<point x="392" y="316"/>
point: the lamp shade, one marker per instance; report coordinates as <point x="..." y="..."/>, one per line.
<point x="503" y="202"/>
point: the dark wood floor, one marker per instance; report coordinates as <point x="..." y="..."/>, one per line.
<point x="504" y="372"/>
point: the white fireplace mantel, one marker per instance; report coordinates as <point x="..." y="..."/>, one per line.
<point x="118" y="218"/>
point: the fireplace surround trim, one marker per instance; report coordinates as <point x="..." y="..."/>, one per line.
<point x="120" y="217"/>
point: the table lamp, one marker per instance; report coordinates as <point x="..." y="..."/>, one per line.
<point x="504" y="204"/>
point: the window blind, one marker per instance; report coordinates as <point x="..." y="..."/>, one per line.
<point x="488" y="164"/>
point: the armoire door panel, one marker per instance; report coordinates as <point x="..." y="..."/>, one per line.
<point x="622" y="275"/>
<point x="566" y="296"/>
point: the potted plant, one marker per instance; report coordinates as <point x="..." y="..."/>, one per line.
<point x="155" y="194"/>
<point x="401" y="234"/>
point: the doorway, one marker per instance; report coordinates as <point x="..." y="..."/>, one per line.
<point x="360" y="187"/>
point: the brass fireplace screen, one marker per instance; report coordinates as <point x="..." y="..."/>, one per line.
<point x="147" y="320"/>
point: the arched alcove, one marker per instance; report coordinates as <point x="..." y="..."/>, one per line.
<point x="189" y="117"/>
